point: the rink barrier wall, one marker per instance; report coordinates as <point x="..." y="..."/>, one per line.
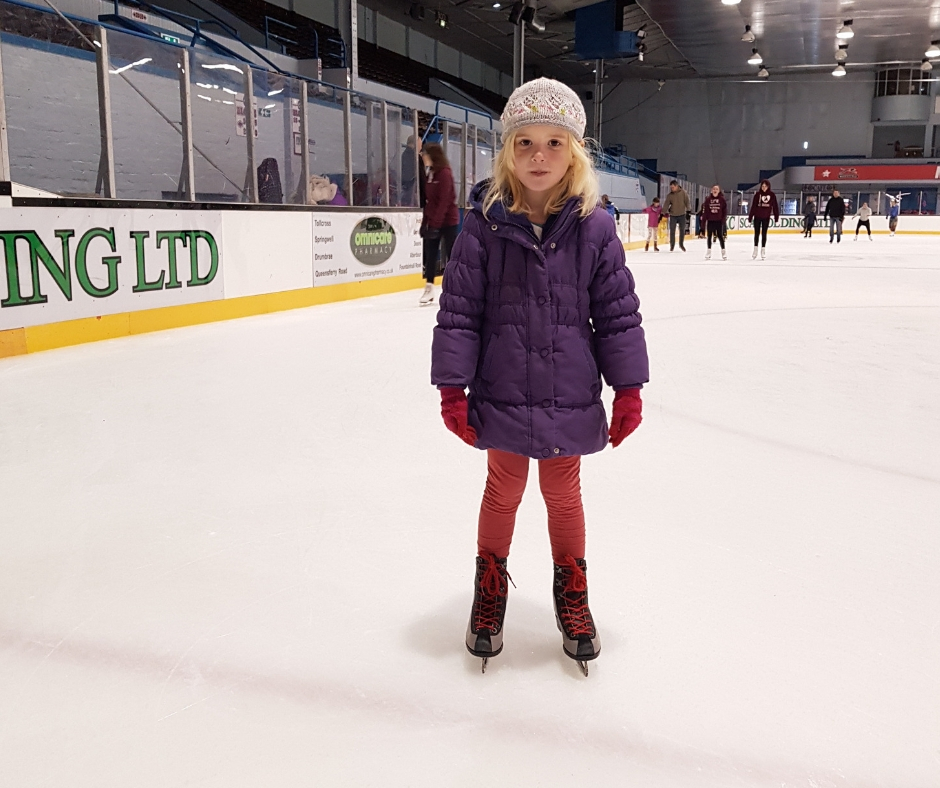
<point x="84" y="270"/>
<point x="907" y="225"/>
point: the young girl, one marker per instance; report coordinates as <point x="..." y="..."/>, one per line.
<point x="537" y="305"/>
<point x="440" y="221"/>
<point x="864" y="220"/>
<point x="654" y="214"/>
<point x="809" y="218"/>
<point x="763" y="206"/>
<point x="715" y="214"/>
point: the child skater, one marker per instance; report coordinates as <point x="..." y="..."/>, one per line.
<point x="809" y="218"/>
<point x="715" y="214"/>
<point x="537" y="304"/>
<point x="654" y="215"/>
<point x="762" y="206"/>
<point x="864" y="220"/>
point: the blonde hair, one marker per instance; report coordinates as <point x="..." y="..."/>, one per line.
<point x="579" y="181"/>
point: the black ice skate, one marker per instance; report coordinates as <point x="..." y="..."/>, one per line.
<point x="572" y="614"/>
<point x="490" y="589"/>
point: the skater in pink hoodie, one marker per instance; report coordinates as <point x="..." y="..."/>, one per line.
<point x="654" y="215"/>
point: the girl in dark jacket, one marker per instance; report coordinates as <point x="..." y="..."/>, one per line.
<point x="763" y="206"/>
<point x="714" y="214"/>
<point x="809" y="218"/>
<point x="440" y="222"/>
<point x="537" y="306"/>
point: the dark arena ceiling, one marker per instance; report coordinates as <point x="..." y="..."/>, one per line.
<point x="693" y="38"/>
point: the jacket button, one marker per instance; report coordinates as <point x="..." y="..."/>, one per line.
<point x="553" y="244"/>
<point x="494" y="227"/>
<point x="557" y="451"/>
<point x="541" y="300"/>
<point x="546" y="403"/>
<point x="546" y="453"/>
<point x="543" y="352"/>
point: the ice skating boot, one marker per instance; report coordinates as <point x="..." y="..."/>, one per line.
<point x="655" y="248"/>
<point x="856" y="236"/>
<point x="708" y="254"/>
<point x="724" y="254"/>
<point x="490" y="589"/>
<point x="754" y="254"/>
<point x="578" y="634"/>
<point x="763" y="253"/>
<point x="870" y="238"/>
<point x="427" y="297"/>
<point x="647" y="247"/>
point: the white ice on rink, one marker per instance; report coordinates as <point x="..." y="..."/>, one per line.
<point x="240" y="554"/>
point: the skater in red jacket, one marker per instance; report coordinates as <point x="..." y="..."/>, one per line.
<point x="714" y="215"/>
<point x="763" y="206"/>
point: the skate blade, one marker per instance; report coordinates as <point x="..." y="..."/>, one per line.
<point x="584" y="667"/>
<point x="484" y="662"/>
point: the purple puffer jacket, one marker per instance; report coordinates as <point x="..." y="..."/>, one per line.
<point x="531" y="326"/>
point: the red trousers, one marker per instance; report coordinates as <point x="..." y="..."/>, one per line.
<point x="560" y="483"/>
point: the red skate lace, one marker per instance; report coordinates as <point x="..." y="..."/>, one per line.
<point x="492" y="590"/>
<point x="575" y="614"/>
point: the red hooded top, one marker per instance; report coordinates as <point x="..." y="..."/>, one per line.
<point x="714" y="209"/>
<point x="764" y="204"/>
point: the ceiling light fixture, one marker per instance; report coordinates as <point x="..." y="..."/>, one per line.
<point x="763" y="73"/>
<point x="641" y="51"/>
<point x="926" y="65"/>
<point x="934" y="50"/>
<point x="530" y="17"/>
<point x="755" y="59"/>
<point x="846" y="30"/>
<point x="730" y="2"/>
<point x="842" y="53"/>
<point x="497" y="5"/>
<point x="839" y="71"/>
<point x="748" y="37"/>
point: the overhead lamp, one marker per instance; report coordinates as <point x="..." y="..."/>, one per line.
<point x="497" y="5"/>
<point x="748" y="37"/>
<point x="730" y="2"/>
<point x="641" y="51"/>
<point x="839" y="71"/>
<point x="755" y="59"/>
<point x="842" y="53"/>
<point x="440" y="19"/>
<point x="846" y="30"/>
<point x="530" y="17"/>
<point x="763" y="73"/>
<point x="926" y="65"/>
<point x="641" y="33"/>
<point x="934" y="50"/>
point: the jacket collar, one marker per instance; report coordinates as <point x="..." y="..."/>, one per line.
<point x="500" y="213"/>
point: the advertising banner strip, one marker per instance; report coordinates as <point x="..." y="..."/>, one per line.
<point x="878" y="172"/>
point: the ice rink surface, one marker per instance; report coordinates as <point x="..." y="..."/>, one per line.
<point x="241" y="554"/>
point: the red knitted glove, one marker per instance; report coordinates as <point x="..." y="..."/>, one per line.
<point x="627" y="415"/>
<point x="454" y="411"/>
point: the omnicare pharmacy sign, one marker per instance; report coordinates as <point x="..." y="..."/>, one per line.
<point x="75" y="263"/>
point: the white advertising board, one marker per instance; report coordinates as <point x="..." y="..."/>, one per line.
<point x="356" y="247"/>
<point x="68" y="263"/>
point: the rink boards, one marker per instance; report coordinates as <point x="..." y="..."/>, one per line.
<point x="634" y="226"/>
<point x="79" y="274"/>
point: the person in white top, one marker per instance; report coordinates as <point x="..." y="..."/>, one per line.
<point x="864" y="216"/>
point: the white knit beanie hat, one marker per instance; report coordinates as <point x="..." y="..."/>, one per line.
<point x="544" y="101"/>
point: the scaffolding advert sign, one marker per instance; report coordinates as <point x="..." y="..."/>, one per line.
<point x="357" y="247"/>
<point x="74" y="263"/>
